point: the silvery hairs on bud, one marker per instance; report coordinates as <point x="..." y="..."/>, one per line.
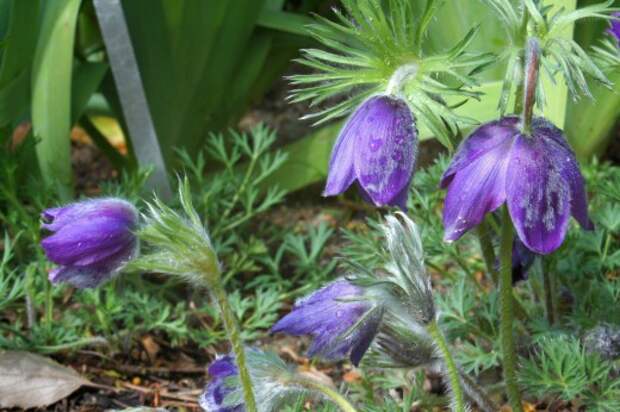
<point x="400" y="346"/>
<point x="406" y="267"/>
<point x="177" y="244"/>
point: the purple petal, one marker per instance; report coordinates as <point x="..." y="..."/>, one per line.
<point x="88" y="241"/>
<point x="538" y="195"/>
<point x="482" y="140"/>
<point x="365" y="336"/>
<point x="562" y="155"/>
<point x="56" y="218"/>
<point x="400" y="200"/>
<point x="340" y="170"/>
<point x="385" y="149"/>
<point x="476" y="189"/>
<point x="79" y="277"/>
<point x="324" y="310"/>
<point x="222" y="367"/>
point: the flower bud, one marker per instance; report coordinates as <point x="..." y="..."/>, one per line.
<point x="91" y="241"/>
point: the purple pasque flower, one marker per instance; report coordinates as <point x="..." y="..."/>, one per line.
<point x="614" y="29"/>
<point x="90" y="241"/>
<point x="341" y="322"/>
<point x="537" y="175"/>
<point x="377" y="149"/>
<point x="224" y="383"/>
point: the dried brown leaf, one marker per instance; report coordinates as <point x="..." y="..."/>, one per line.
<point x="28" y="380"/>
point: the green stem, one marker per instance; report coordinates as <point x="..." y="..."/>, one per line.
<point x="606" y="246"/>
<point x="31" y="314"/>
<point x="451" y="369"/>
<point x="506" y="305"/>
<point x="549" y="293"/>
<point x="95" y="340"/>
<point x="486" y="246"/>
<point x="49" y="305"/>
<point x="232" y="330"/>
<point x="332" y="394"/>
<point x="246" y="179"/>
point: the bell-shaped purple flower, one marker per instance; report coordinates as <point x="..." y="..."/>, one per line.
<point x="537" y="175"/>
<point x="614" y="29"/>
<point x="90" y="241"/>
<point x="377" y="149"/>
<point x="341" y="321"/>
<point x="224" y="383"/>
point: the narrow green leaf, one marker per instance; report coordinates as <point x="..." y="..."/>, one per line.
<point x="284" y="21"/>
<point x="51" y="99"/>
<point x="19" y="46"/>
<point x="86" y="81"/>
<point x="556" y="91"/>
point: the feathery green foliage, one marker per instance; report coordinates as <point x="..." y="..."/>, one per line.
<point x="372" y="48"/>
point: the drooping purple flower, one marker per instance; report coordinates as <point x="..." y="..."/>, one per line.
<point x="339" y="319"/>
<point x="537" y="175"/>
<point x="614" y="29"/>
<point x="377" y="149"/>
<point x="224" y="382"/>
<point x="522" y="260"/>
<point x="90" y="241"/>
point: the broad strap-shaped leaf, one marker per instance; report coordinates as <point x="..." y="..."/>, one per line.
<point x="51" y="93"/>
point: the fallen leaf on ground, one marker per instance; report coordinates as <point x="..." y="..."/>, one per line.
<point x="30" y="381"/>
<point x="150" y="346"/>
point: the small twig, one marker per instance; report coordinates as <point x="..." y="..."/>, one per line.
<point x="121" y="404"/>
<point x="102" y="386"/>
<point x="164" y="394"/>
<point x="155" y="370"/>
<point x="180" y="404"/>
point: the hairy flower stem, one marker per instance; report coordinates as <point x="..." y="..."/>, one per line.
<point x="506" y="306"/>
<point x="401" y="74"/>
<point x="486" y="246"/>
<point x="458" y="400"/>
<point x="477" y="394"/>
<point x="530" y="82"/>
<point x="232" y="330"/>
<point x="330" y="393"/>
